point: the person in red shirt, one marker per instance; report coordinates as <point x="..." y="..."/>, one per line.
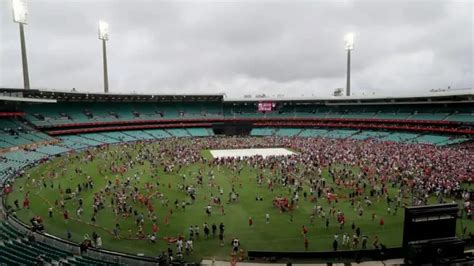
<point x="382" y="222"/>
<point x="250" y="221"/>
<point x="304" y="231"/>
<point x="66" y="215"/>
<point x="155" y="228"/>
<point x="151" y="209"/>
<point x="26" y="203"/>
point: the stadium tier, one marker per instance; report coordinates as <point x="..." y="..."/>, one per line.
<point x="76" y="113"/>
<point x="15" y="133"/>
<point x="262" y="132"/>
<point x="71" y="113"/>
<point x="199" y="132"/>
<point x="18" y="249"/>
<point x="74" y="108"/>
<point x="78" y="121"/>
<point x="16" y="160"/>
<point x="178" y="132"/>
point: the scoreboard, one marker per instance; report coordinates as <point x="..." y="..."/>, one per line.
<point x="266" y="106"/>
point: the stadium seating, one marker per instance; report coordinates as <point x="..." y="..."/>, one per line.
<point x="87" y="141"/>
<point x="412" y="112"/>
<point x="431" y="139"/>
<point x="100" y="137"/>
<point x="14" y="133"/>
<point x="382" y="115"/>
<point x="14" y="161"/>
<point x="312" y="132"/>
<point x="340" y="134"/>
<point x="178" y="132"/>
<point x="370" y="134"/>
<point x="452" y="141"/>
<point x="429" y="116"/>
<point x="41" y="115"/>
<point x="288" y="132"/>
<point x="399" y="137"/>
<point x="262" y="132"/>
<point x="16" y="249"/>
<point x="24" y="156"/>
<point x="90" y="117"/>
<point x="118" y="136"/>
<point x="52" y="149"/>
<point x="461" y="117"/>
<point x="72" y="142"/>
<point x="157" y="133"/>
<point x="198" y="132"/>
<point x="139" y="134"/>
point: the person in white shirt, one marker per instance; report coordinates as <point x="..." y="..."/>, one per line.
<point x="99" y="242"/>
<point x="189" y="246"/>
<point x="345" y="239"/>
<point x="179" y="246"/>
<point x="235" y="245"/>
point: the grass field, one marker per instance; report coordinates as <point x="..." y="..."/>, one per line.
<point x="280" y="234"/>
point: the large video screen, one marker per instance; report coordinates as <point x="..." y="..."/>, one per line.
<point x="266" y="106"/>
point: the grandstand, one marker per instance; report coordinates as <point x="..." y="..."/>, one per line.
<point x="78" y="121"/>
<point x="447" y="123"/>
<point x="52" y="117"/>
<point x="15" y="133"/>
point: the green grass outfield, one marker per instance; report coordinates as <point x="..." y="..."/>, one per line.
<point x="279" y="235"/>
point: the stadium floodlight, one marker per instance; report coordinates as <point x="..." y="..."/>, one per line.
<point x="20" y="16"/>
<point x="104" y="36"/>
<point x="103" y="30"/>
<point x="349" y="41"/>
<point x="349" y="45"/>
<point x="20" y="11"/>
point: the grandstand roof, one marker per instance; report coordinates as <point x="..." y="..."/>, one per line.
<point x="462" y="96"/>
<point x="74" y="96"/>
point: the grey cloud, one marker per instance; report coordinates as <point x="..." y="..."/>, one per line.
<point x="284" y="47"/>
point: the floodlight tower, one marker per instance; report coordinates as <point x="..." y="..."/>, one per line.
<point x="104" y="36"/>
<point x="349" y="45"/>
<point x="20" y="15"/>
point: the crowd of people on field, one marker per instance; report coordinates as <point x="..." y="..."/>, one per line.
<point x="319" y="168"/>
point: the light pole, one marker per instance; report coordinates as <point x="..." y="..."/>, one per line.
<point x="104" y="36"/>
<point x="20" y="15"/>
<point x="349" y="45"/>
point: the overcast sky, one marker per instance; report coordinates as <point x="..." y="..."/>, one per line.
<point x="243" y="47"/>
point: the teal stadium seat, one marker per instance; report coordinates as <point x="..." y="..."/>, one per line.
<point x="198" y="132"/>
<point x="313" y="132"/>
<point x="288" y="132"/>
<point x="178" y="132"/>
<point x="158" y="133"/>
<point x="262" y="132"/>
